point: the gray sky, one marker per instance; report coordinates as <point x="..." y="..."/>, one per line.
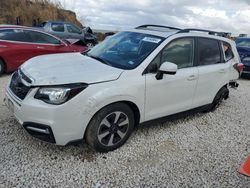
<point x="221" y="15"/>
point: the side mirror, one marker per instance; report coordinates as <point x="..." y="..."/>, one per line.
<point x="166" y="68"/>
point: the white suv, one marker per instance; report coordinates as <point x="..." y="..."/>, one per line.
<point x="133" y="77"/>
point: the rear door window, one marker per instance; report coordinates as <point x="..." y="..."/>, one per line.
<point x="41" y="38"/>
<point x="58" y="27"/>
<point x="17" y="35"/>
<point x="208" y="51"/>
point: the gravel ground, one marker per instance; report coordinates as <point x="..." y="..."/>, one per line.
<point x="202" y="150"/>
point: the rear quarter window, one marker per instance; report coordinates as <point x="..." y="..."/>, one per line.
<point x="227" y="51"/>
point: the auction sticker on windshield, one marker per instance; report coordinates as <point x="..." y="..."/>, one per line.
<point x="151" y="39"/>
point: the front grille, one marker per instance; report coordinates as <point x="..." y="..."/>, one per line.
<point x="17" y="86"/>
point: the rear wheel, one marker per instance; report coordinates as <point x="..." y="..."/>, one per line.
<point x="2" y="67"/>
<point x="110" y="127"/>
<point x="223" y="93"/>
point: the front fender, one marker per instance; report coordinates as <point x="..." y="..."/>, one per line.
<point x="100" y="95"/>
<point x="94" y="105"/>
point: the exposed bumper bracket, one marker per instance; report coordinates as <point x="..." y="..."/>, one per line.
<point x="233" y="84"/>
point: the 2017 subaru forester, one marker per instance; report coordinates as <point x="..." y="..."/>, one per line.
<point x="133" y="77"/>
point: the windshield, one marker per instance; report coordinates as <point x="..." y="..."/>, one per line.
<point x="125" y="50"/>
<point x="243" y="42"/>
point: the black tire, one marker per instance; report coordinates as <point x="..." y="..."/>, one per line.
<point x="221" y="95"/>
<point x="105" y="122"/>
<point x="2" y="67"/>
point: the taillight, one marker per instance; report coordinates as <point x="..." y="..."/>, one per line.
<point x="239" y="67"/>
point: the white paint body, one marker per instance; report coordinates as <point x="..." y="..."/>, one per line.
<point x="188" y="88"/>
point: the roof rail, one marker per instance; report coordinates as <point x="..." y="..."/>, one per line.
<point x="202" y="30"/>
<point x="157" y="26"/>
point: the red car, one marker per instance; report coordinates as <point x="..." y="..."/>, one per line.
<point x="18" y="44"/>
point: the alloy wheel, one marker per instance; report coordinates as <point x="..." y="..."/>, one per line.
<point x="113" y="128"/>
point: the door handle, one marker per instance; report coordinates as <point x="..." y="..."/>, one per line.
<point x="40" y="47"/>
<point x="3" y="46"/>
<point x="191" y="77"/>
<point x="222" y="71"/>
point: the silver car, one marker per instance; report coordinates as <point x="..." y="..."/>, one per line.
<point x="66" y="30"/>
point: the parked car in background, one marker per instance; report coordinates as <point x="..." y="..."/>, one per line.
<point x="243" y="47"/>
<point x="66" y="30"/>
<point x="90" y="37"/>
<point x="18" y="44"/>
<point x="133" y="77"/>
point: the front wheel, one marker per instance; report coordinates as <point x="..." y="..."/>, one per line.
<point x="110" y="127"/>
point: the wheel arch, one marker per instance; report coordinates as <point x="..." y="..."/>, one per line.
<point x="217" y="89"/>
<point x="135" y="110"/>
<point x="132" y="105"/>
<point x="224" y="86"/>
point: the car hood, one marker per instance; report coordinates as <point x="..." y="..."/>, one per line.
<point x="68" y="68"/>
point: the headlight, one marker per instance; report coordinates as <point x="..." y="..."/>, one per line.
<point x="59" y="94"/>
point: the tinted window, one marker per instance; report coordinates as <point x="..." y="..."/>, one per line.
<point x="227" y="50"/>
<point x="58" y="27"/>
<point x="179" y="51"/>
<point x="14" y="35"/>
<point x="209" y="51"/>
<point x="42" y="38"/>
<point x="73" y="29"/>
